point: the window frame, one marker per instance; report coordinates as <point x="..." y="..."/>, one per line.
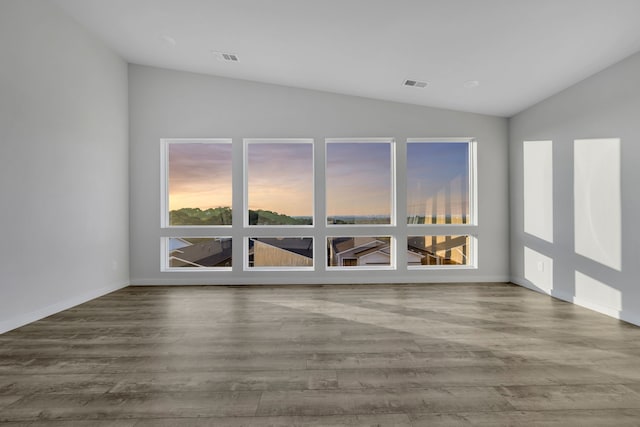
<point x="399" y="231"/>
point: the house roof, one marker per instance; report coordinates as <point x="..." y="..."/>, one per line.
<point x="208" y="254"/>
<point x="342" y="244"/>
<point x="378" y="248"/>
<point x="301" y="246"/>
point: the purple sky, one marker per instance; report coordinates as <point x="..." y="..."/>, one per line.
<point x="280" y="177"/>
<point x="199" y="175"/>
<point x="358" y="179"/>
<point x="437" y="178"/>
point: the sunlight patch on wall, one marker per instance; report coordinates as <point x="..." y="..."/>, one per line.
<point x="592" y="293"/>
<point x="538" y="269"/>
<point x="597" y="205"/>
<point x="538" y="189"/>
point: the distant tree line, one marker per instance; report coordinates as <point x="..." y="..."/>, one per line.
<point x="222" y="216"/>
<point x="197" y="216"/>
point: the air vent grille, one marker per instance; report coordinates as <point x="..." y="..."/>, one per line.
<point x="226" y="57"/>
<point x="414" y="83"/>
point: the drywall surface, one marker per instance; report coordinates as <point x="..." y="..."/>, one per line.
<point x="172" y="104"/>
<point x="606" y="105"/>
<point x="64" y="164"/>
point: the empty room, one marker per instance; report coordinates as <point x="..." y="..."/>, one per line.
<point x="319" y="213"/>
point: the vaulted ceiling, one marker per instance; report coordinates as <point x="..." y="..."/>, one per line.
<point x="487" y="56"/>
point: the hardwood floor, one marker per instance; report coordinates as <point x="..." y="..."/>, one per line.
<point x="319" y="356"/>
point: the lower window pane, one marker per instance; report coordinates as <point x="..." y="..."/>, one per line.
<point x="282" y="252"/>
<point x="438" y="250"/>
<point x="361" y="251"/>
<point x="199" y="252"/>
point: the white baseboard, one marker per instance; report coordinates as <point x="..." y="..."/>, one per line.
<point x="630" y="317"/>
<point x="323" y="281"/>
<point x="7" y="325"/>
<point x="624" y="315"/>
<point x="527" y="285"/>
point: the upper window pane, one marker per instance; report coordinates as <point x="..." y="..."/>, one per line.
<point x="199" y="183"/>
<point x="438" y="183"/>
<point x="280" y="183"/>
<point x="359" y="182"/>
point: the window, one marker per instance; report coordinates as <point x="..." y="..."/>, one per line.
<point x="360" y="251"/>
<point x="197" y="253"/>
<point x="280" y="252"/>
<point x="439" y="250"/>
<point x="279" y="176"/>
<point x="359" y="181"/>
<point x="280" y="223"/>
<point x="438" y="182"/>
<point x="197" y="182"/>
<point x="440" y="195"/>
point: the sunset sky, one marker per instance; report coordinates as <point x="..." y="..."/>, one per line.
<point x="437" y="178"/>
<point x="281" y="177"/>
<point x="199" y="175"/>
<point x="358" y="174"/>
<point x="358" y="179"/>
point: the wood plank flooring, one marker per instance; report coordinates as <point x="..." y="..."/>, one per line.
<point x="319" y="356"/>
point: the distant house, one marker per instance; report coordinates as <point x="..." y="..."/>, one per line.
<point x="281" y="252"/>
<point x="360" y="251"/>
<point x="185" y="252"/>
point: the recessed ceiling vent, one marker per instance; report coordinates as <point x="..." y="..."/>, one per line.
<point x="414" y="83"/>
<point x="226" y="57"/>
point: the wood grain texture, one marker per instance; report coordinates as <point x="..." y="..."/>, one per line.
<point x="366" y="355"/>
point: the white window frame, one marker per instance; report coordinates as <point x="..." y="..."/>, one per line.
<point x="397" y="230"/>
<point x="468" y="229"/>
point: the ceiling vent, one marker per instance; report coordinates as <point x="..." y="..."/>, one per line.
<point x="226" y="57"/>
<point x="414" y="83"/>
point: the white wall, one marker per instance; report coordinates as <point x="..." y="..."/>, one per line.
<point x="63" y="164"/>
<point x="172" y="104"/>
<point x="606" y="105"/>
